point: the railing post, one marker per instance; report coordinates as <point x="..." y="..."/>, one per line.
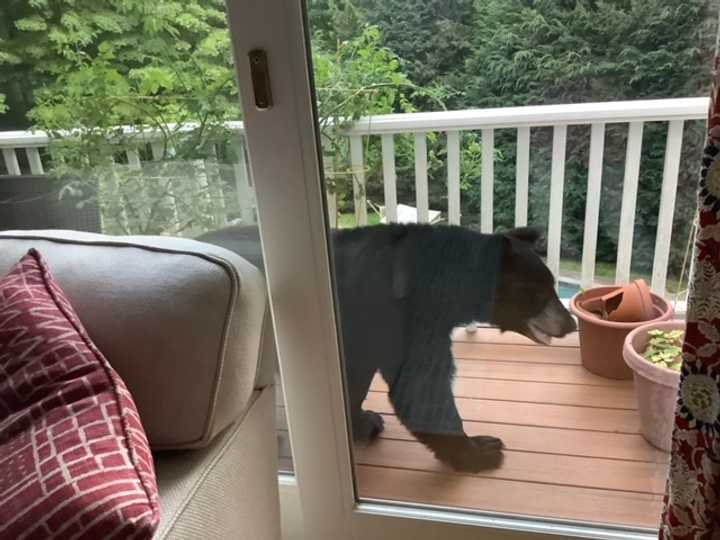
<point x="33" y="155"/>
<point x="629" y="202"/>
<point x="421" y="179"/>
<point x="389" y="177"/>
<point x="592" y="204"/>
<point x="671" y="171"/>
<point x="557" y="182"/>
<point x="358" y="173"/>
<point x="11" y="162"/>
<point x="133" y="157"/>
<point x="487" y="181"/>
<point x="328" y="163"/>
<point x="522" y="169"/>
<point x="453" y="172"/>
<point x="244" y="191"/>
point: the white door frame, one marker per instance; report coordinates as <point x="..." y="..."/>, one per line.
<point x="285" y="162"/>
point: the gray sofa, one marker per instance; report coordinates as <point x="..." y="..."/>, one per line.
<point x="186" y="325"/>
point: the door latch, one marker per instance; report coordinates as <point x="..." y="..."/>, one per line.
<point x="260" y="79"/>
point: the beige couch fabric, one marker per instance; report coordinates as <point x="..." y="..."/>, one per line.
<point x="227" y="490"/>
<point x="181" y="321"/>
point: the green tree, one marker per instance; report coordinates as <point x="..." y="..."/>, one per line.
<point x="357" y="78"/>
<point x="433" y="39"/>
<point x="528" y="52"/>
<point x="86" y="68"/>
<point x="492" y="53"/>
<point x="99" y="75"/>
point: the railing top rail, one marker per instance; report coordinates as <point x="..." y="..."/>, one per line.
<point x="29" y="139"/>
<point x="503" y="117"/>
<point x="535" y="116"/>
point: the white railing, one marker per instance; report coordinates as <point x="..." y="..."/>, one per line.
<point x="32" y="144"/>
<point x="633" y="113"/>
<point x="559" y="117"/>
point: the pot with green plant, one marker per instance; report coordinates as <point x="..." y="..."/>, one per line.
<point x="654" y="353"/>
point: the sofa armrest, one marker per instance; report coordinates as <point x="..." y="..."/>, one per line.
<point x="228" y="490"/>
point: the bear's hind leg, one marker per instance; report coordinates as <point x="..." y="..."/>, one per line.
<point x="366" y="425"/>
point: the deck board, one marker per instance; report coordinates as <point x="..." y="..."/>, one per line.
<point x="532" y="354"/>
<point x="545" y="440"/>
<point x="573" y="448"/>
<point x="510" y="497"/>
<point x="608" y="474"/>
<point x="537" y="414"/>
<point x="537" y="392"/>
<point x="516" y="371"/>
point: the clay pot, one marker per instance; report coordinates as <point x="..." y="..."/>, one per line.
<point x="631" y="303"/>
<point x="656" y="387"/>
<point x="601" y="341"/>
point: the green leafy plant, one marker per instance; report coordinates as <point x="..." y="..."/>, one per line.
<point x="135" y="97"/>
<point x="665" y="348"/>
<point x="358" y="77"/>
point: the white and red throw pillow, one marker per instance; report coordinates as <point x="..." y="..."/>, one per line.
<point x="74" y="459"/>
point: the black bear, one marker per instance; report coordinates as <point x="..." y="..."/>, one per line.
<point x="401" y="289"/>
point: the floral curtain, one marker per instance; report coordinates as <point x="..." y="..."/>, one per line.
<point x="692" y="505"/>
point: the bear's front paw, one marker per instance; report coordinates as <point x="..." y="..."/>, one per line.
<point x="479" y="454"/>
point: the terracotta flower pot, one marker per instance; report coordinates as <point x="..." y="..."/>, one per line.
<point x="656" y="387"/>
<point x="601" y="341"/>
<point x="631" y="303"/>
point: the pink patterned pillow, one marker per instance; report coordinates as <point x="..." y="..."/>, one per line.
<point x="74" y="459"/>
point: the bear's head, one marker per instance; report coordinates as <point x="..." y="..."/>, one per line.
<point x="525" y="298"/>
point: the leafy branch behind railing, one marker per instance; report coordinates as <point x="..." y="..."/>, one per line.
<point x="128" y="78"/>
<point x="155" y="67"/>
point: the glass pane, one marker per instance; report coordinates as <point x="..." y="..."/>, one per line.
<point x="455" y="318"/>
<point x="123" y="118"/>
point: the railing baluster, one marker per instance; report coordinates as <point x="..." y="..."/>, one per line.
<point x="33" y="155"/>
<point x="389" y="177"/>
<point x="328" y="163"/>
<point x="421" y="178"/>
<point x="158" y="150"/>
<point x="331" y="198"/>
<point x="216" y="194"/>
<point x="245" y="194"/>
<point x="487" y="181"/>
<point x="592" y="205"/>
<point x="11" y="162"/>
<point x="522" y="169"/>
<point x="453" y="172"/>
<point x="557" y="181"/>
<point x="358" y="172"/>
<point x="629" y="202"/>
<point x="133" y="157"/>
<point x="671" y="170"/>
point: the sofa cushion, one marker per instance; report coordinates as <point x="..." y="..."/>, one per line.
<point x="181" y="322"/>
<point x="74" y="460"/>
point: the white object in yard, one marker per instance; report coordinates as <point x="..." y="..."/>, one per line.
<point x="409" y="214"/>
<point x="471" y="328"/>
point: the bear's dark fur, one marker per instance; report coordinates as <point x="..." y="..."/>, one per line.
<point x="401" y="290"/>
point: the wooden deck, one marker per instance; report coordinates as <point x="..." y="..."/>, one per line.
<point x="573" y="450"/>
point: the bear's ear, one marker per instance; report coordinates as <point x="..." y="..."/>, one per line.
<point x="530" y="235"/>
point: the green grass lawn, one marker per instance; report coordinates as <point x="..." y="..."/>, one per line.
<point x="605" y="273"/>
<point x="347" y="221"/>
